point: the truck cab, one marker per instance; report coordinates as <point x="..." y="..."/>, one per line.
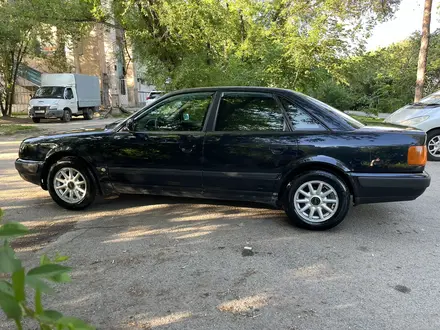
<point x="65" y="95"/>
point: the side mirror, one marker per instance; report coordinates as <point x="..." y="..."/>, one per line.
<point x="130" y="125"/>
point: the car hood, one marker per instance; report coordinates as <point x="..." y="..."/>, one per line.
<point x="411" y="111"/>
<point x="78" y="133"/>
<point x="35" y="102"/>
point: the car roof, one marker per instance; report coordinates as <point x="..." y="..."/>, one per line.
<point x="233" y="88"/>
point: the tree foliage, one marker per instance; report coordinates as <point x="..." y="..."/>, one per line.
<point x="382" y="80"/>
<point x="26" y="24"/>
<point x="282" y="43"/>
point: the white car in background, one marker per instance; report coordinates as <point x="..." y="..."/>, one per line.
<point x="153" y="96"/>
<point x="424" y="115"/>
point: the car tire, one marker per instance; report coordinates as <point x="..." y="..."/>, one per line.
<point x="36" y="120"/>
<point x="432" y="142"/>
<point x="71" y="184"/>
<point x="321" y="193"/>
<point x="67" y="115"/>
<point x="88" y="114"/>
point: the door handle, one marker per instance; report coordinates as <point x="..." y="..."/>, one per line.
<point x="277" y="151"/>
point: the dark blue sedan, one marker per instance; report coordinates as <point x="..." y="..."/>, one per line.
<point x="266" y="145"/>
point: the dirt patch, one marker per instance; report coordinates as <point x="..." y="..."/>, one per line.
<point x="15" y="120"/>
<point x="42" y="235"/>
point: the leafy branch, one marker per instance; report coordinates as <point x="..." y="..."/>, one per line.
<point x="13" y="296"/>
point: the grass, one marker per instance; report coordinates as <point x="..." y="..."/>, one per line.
<point x="368" y="120"/>
<point x="11" y="129"/>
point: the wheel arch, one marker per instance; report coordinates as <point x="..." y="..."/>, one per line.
<point x="431" y="130"/>
<point x="56" y="156"/>
<point x="316" y="164"/>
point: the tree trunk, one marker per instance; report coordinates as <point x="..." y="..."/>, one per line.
<point x="423" y="54"/>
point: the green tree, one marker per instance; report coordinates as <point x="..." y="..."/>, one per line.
<point x="282" y="43"/>
<point x="26" y="24"/>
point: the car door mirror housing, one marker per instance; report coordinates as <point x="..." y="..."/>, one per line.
<point x="130" y="125"/>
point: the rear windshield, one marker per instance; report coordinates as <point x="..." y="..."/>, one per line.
<point x="349" y="120"/>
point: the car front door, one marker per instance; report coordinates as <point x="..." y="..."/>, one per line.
<point x="163" y="151"/>
<point x="72" y="101"/>
<point x="248" y="147"/>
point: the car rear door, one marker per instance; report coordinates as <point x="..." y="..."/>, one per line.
<point x="163" y="154"/>
<point x="247" y="147"/>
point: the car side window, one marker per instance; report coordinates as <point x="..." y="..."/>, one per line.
<point x="69" y="93"/>
<point x="178" y="113"/>
<point x="249" y="112"/>
<point x="300" y="119"/>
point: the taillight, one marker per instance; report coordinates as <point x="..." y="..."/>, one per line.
<point x="417" y="155"/>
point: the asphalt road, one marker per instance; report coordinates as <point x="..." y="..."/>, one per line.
<point x="161" y="263"/>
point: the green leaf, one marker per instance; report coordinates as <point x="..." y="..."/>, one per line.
<point x="18" y="285"/>
<point x="38" y="284"/>
<point x="12" y="229"/>
<point x="44" y="260"/>
<point x="1" y="214"/>
<point x="74" y="323"/>
<point x="50" y="316"/>
<point x="38" y="304"/>
<point x="6" y="287"/>
<point x="48" y="270"/>
<point x="8" y="262"/>
<point x="60" y="258"/>
<point x="60" y="278"/>
<point x="10" y="306"/>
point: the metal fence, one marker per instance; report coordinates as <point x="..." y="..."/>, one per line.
<point x="142" y="97"/>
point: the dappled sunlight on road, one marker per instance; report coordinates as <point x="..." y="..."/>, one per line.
<point x="244" y="305"/>
<point x="168" y="319"/>
<point x="139" y="233"/>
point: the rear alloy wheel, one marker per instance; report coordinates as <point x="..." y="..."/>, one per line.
<point x="88" y="114"/>
<point x="66" y="116"/>
<point x="70" y="184"/>
<point x="433" y="145"/>
<point x="317" y="200"/>
<point x="36" y="120"/>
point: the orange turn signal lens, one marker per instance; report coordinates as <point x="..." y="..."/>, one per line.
<point x="417" y="155"/>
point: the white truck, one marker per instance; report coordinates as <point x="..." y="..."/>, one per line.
<point x="63" y="95"/>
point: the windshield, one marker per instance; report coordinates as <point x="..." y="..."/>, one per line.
<point x="431" y="99"/>
<point x="50" y="93"/>
<point x="349" y="120"/>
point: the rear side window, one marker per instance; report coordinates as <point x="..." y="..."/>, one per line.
<point x="249" y="112"/>
<point x="301" y="120"/>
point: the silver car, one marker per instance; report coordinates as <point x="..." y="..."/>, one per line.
<point x="424" y="115"/>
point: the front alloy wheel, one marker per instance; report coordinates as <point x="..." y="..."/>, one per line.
<point x="71" y="184"/>
<point x="433" y="145"/>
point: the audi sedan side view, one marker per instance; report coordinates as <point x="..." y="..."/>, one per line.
<point x="271" y="146"/>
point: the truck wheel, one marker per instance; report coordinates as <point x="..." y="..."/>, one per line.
<point x="70" y="184"/>
<point x="433" y="145"/>
<point x="66" y="116"/>
<point x="36" y="120"/>
<point x="317" y="200"/>
<point x="88" y="114"/>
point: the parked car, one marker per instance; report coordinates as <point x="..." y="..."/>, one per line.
<point x="424" y="115"/>
<point x="63" y="95"/>
<point x="153" y="96"/>
<point x="265" y="145"/>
